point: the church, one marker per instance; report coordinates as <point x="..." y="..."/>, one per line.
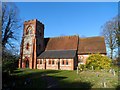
<point x="57" y="53"/>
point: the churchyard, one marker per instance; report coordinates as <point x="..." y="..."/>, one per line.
<point x="34" y="78"/>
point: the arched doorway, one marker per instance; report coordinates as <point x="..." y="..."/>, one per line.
<point x="27" y="63"/>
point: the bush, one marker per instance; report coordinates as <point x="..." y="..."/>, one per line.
<point x="98" y="62"/>
<point x="82" y="67"/>
<point x="9" y="62"/>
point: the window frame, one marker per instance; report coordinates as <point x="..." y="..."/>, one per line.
<point x="41" y="62"/>
<point x="53" y="62"/>
<point x="67" y="62"/>
<point x="63" y="62"/>
<point x="49" y="62"/>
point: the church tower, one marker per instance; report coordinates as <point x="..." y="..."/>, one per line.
<point x="32" y="43"/>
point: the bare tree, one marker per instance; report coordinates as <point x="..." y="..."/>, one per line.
<point x="10" y="24"/>
<point x="117" y="32"/>
<point x="109" y="32"/>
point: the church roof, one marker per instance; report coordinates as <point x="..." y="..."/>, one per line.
<point x="82" y="45"/>
<point x="92" y="45"/>
<point x="58" y="54"/>
<point x="62" y="43"/>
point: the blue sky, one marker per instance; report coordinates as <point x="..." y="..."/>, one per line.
<point x="70" y="18"/>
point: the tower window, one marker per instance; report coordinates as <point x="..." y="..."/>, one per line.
<point x="29" y="30"/>
<point x="27" y="46"/>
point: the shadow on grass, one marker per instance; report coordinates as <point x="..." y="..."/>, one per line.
<point x="36" y="80"/>
<point x="31" y="79"/>
<point x="118" y="87"/>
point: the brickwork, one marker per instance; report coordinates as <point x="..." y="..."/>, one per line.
<point x="53" y="64"/>
<point x="82" y="58"/>
<point x="30" y="33"/>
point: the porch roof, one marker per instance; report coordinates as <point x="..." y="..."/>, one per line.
<point x="66" y="54"/>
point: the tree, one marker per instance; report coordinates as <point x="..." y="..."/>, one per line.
<point x="109" y="30"/>
<point x="98" y="62"/>
<point x="118" y="36"/>
<point x="10" y="24"/>
<point x="10" y="28"/>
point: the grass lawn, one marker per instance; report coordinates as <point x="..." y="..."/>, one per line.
<point x="66" y="79"/>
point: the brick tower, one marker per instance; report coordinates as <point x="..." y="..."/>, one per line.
<point x="32" y="43"/>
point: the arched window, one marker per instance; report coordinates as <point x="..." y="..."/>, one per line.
<point x="52" y="61"/>
<point x="27" y="46"/>
<point x="29" y="30"/>
<point x="49" y="61"/>
<point x="66" y="62"/>
<point x="40" y="61"/>
<point x="62" y="62"/>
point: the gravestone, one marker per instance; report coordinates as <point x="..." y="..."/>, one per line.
<point x="77" y="70"/>
<point x="113" y="72"/>
<point x="104" y="84"/>
<point x="92" y="67"/>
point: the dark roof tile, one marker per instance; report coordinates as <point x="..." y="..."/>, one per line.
<point x="58" y="54"/>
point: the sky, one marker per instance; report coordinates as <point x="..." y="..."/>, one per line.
<point x="69" y="18"/>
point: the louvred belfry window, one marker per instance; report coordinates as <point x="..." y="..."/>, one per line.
<point x="27" y="46"/>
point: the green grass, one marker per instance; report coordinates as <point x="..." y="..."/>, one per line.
<point x="85" y="79"/>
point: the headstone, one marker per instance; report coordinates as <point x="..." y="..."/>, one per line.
<point x="110" y="71"/>
<point x="97" y="74"/>
<point x="113" y="72"/>
<point x="104" y="84"/>
<point x="77" y="70"/>
<point x="92" y="67"/>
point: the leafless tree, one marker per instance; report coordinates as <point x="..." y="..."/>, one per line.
<point x="109" y="30"/>
<point x="10" y="24"/>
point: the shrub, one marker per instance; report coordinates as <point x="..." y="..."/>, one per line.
<point x="82" y="67"/>
<point x="98" y="62"/>
<point x="9" y="62"/>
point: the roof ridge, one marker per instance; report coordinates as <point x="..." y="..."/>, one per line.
<point x="62" y="50"/>
<point x="92" y="37"/>
<point x="64" y="36"/>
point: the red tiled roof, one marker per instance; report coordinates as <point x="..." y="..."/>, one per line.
<point x="91" y="45"/>
<point x="83" y="45"/>
<point x="62" y="43"/>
